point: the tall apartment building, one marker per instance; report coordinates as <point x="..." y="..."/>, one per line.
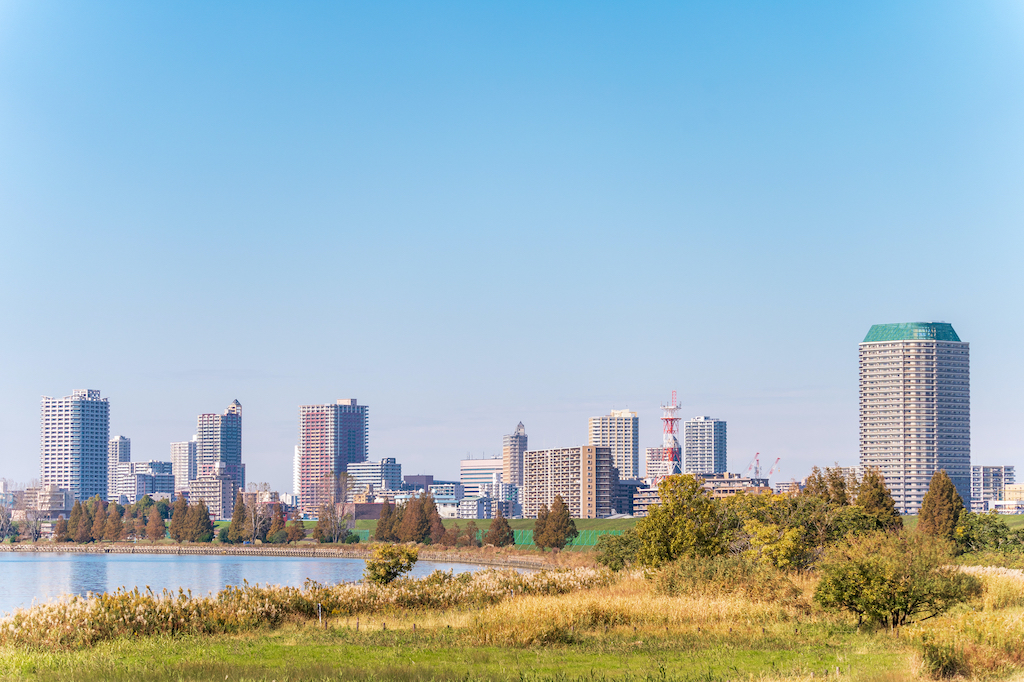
<point x="619" y="431"/>
<point x="512" y="448"/>
<point x="73" y="443"/>
<point x="704" y="446"/>
<point x="658" y="463"/>
<point x="581" y="475"/>
<point x="383" y="475"/>
<point x="217" y="489"/>
<point x="137" y="479"/>
<point x="915" y="408"/>
<point x="184" y="463"/>
<point x="331" y="437"/>
<point x="988" y="483"/>
<point x="476" y="473"/>
<point x="119" y="451"/>
<point x="219" y="441"/>
<point x="296" y="472"/>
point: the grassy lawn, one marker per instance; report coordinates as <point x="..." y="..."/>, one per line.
<point x="1014" y="521"/>
<point x="523" y="524"/>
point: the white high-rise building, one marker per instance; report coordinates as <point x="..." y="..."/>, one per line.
<point x="475" y="473"/>
<point x="513" y="446"/>
<point x="73" y="443"/>
<point x="619" y="431"/>
<point x="704" y="446"/>
<point x="383" y="475"/>
<point x="915" y="408"/>
<point x="988" y="483"/>
<point x="119" y="451"/>
<point x="184" y="463"/>
<point x="219" y="441"/>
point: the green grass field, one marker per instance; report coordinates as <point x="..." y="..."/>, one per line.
<point x="525" y="524"/>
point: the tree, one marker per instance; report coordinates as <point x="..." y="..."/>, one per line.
<point x="874" y="498"/>
<point x="164" y="509"/>
<point x="6" y="522"/>
<point x="277" y="523"/>
<point x="451" y="536"/>
<point x="892" y="578"/>
<point x="330" y="525"/>
<point x="941" y="507"/>
<point x="74" y="520"/>
<point x="139" y="525"/>
<point x="198" y="523"/>
<point x="469" y="535"/>
<point x="99" y="523"/>
<point x="415" y="525"/>
<point x="257" y="513"/>
<point x="32" y="527"/>
<point x="980" y="532"/>
<point x="155" y="529"/>
<point x="114" y="528"/>
<point x="296" y="531"/>
<point x="500" y="533"/>
<point x="687" y="522"/>
<point x="236" y="531"/>
<point x="539" y="524"/>
<point x="385" y="523"/>
<point x="83" y="530"/>
<point x="179" y="513"/>
<point x="61" y="533"/>
<point x="559" y="527"/>
<point x="618" y="551"/>
<point x="433" y="519"/>
<point x="389" y="562"/>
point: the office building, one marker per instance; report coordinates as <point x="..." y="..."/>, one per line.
<point x="915" y="408"/>
<point x="512" y="448"/>
<point x="619" y="431"/>
<point x="475" y="473"/>
<point x="74" y="436"/>
<point x="331" y="437"/>
<point x="704" y="447"/>
<point x="988" y="483"/>
<point x="383" y="475"/>
<point x="184" y="463"/>
<point x="219" y="441"/>
<point x="582" y="475"/>
<point x="217" y="489"/>
<point x="119" y="450"/>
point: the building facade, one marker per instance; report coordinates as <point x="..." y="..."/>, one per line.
<point x="704" y="446"/>
<point x="48" y="501"/>
<point x="331" y="437"/>
<point x="619" y="431"/>
<point x="219" y="441"/>
<point x="135" y="480"/>
<point x="512" y="448"/>
<point x="184" y="463"/>
<point x="119" y="451"/>
<point x="988" y="483"/>
<point x="915" y="408"/>
<point x="74" y="436"/>
<point x="582" y="475"/>
<point x="383" y="475"/>
<point x="217" y="489"/>
<point x="476" y="473"/>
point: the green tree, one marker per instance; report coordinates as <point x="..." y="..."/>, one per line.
<point x="296" y="531"/>
<point x="164" y="509"/>
<point x="876" y="501"/>
<point x="686" y="522"/>
<point x="559" y="527"/>
<point x="198" y="526"/>
<point x="99" y="522"/>
<point x="892" y="578"/>
<point x="415" y="525"/>
<point x="388" y="562"/>
<point x="383" y="531"/>
<point x="276" y="522"/>
<point x="941" y="507"/>
<point x="500" y="533"/>
<point x="74" y="519"/>
<point x="155" y="529"/>
<point x="236" y="531"/>
<point x="980" y="532"/>
<point x="114" y="528"/>
<point x="179" y="513"/>
<point x="540" y="526"/>
<point x="618" y="551"/>
<point x="83" y="530"/>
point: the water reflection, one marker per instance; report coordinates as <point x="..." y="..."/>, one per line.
<point x="33" y="578"/>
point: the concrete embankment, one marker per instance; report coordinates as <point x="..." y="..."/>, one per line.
<point x="318" y="552"/>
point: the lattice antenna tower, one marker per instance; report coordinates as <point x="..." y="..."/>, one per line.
<point x="672" y="453"/>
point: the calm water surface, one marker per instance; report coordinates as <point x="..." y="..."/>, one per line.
<point x="33" y="578"/>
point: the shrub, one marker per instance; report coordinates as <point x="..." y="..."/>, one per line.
<point x="388" y="562"/>
<point x="892" y="578"/>
<point x="727" y="574"/>
<point x="687" y="522"/>
<point x="279" y="538"/>
<point x="943" y="660"/>
<point x="618" y="551"/>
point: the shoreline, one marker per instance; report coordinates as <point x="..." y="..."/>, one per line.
<point x="347" y="552"/>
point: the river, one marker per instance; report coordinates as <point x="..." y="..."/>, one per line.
<point x="31" y="577"/>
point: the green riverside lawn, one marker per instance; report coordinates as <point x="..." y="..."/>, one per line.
<point x="307" y="652"/>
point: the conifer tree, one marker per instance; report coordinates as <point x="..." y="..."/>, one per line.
<point x="99" y="523"/>
<point x="74" y="519"/>
<point x="236" y="531"/>
<point x="540" y="527"/>
<point x="139" y="525"/>
<point x="155" y="529"/>
<point x="383" y="531"/>
<point x="874" y="497"/>
<point x="469" y="536"/>
<point x="60" y="533"/>
<point x="296" y="531"/>
<point x="559" y="528"/>
<point x="451" y="536"/>
<point x="114" y="528"/>
<point x="941" y="507"/>
<point x="500" y="533"/>
<point x="277" y="522"/>
<point x="179" y="514"/>
<point x="415" y="526"/>
<point x="83" y="533"/>
<point x="436" y="531"/>
<point x="200" y="527"/>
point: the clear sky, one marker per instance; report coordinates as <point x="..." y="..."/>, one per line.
<point x="470" y="215"/>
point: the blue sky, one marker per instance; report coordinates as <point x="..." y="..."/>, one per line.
<point x="467" y="215"/>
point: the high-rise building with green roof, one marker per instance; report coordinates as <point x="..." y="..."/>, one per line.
<point x="915" y="408"/>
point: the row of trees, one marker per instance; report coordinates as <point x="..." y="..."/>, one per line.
<point x="96" y="520"/>
<point x="262" y="522"/>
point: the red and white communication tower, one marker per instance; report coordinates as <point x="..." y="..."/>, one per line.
<point x="671" y="453"/>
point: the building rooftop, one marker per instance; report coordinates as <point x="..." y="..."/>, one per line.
<point x="911" y="331"/>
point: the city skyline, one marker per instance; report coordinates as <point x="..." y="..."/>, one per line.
<point x="435" y="194"/>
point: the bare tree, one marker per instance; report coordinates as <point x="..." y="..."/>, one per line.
<point x="257" y="512"/>
<point x="32" y="527"/>
<point x="6" y="521"/>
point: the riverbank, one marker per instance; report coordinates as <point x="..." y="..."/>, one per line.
<point x="480" y="556"/>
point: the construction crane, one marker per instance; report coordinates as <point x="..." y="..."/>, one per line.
<point x="775" y="467"/>
<point x="755" y="466"/>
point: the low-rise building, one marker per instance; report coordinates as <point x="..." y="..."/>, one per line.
<point x="48" y="501"/>
<point x="478" y="507"/>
